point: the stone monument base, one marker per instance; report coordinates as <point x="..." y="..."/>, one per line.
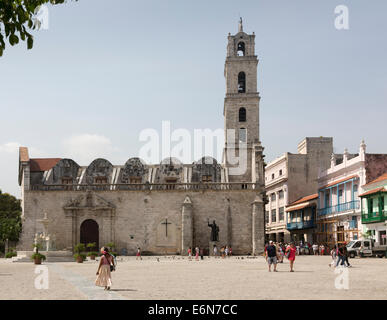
<point x="211" y="248"/>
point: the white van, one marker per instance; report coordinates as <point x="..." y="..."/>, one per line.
<point x="365" y="248"/>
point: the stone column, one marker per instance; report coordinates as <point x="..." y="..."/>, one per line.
<point x="277" y="207"/>
<point x="258" y="226"/>
<point x="186" y="226"/>
<point x="107" y="227"/>
<point x="69" y="237"/>
<point x="229" y="224"/>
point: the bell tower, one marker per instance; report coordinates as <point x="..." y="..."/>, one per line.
<point x="241" y="109"/>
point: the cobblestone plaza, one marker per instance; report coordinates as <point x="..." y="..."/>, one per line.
<point x="179" y="278"/>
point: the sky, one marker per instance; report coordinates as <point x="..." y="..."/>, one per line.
<point x="103" y="71"/>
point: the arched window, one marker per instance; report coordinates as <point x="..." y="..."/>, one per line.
<point x="242" y="115"/>
<point x="241" y="49"/>
<point x="241" y="82"/>
<point x="242" y="135"/>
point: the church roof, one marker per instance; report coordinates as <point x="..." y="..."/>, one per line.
<point x="43" y="164"/>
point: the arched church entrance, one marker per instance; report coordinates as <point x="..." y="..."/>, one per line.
<point x="90" y="232"/>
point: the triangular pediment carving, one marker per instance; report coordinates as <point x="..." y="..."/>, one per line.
<point x="89" y="200"/>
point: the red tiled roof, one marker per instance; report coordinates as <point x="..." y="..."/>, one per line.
<point x="43" y="164"/>
<point x="339" y="181"/>
<point x="381" y="178"/>
<point x="373" y="191"/>
<point x="299" y="207"/>
<point x="23" y="154"/>
<point x="304" y="199"/>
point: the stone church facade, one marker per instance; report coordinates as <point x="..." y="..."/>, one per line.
<point x="163" y="208"/>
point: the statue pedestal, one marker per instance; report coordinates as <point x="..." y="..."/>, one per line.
<point x="211" y="248"/>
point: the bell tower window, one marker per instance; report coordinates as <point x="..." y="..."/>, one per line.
<point x="241" y="49"/>
<point x="242" y="115"/>
<point x="241" y="82"/>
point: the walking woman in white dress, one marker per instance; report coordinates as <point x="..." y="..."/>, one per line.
<point x="104" y="278"/>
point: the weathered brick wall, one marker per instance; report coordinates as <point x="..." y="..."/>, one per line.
<point x="375" y="165"/>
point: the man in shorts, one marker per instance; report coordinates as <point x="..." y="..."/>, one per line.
<point x="271" y="256"/>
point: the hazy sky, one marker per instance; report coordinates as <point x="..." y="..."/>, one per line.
<point x="105" y="70"/>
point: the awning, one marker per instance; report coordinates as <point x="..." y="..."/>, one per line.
<point x="299" y="207"/>
<point x="382" y="189"/>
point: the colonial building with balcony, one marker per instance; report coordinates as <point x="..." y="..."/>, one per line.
<point x="374" y="208"/>
<point x="301" y="217"/>
<point x="339" y="209"/>
<point x="290" y="177"/>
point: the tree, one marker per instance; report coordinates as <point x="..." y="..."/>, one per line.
<point x="10" y="217"/>
<point x="18" y="16"/>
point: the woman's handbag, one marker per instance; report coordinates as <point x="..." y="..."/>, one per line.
<point x="112" y="265"/>
<point x="287" y="254"/>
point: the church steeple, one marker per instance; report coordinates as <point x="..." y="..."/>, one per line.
<point x="241" y="104"/>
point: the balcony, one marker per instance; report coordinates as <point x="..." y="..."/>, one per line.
<point x="342" y="207"/>
<point x="301" y="225"/>
<point x="373" y="217"/>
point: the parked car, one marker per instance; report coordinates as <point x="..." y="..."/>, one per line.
<point x="366" y="248"/>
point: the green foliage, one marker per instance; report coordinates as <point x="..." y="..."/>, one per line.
<point x="92" y="253"/>
<point x="37" y="256"/>
<point x="17" y="17"/>
<point x="79" y="248"/>
<point x="111" y="245"/>
<point x="11" y="254"/>
<point x="368" y="234"/>
<point x="10" y="217"/>
<point x="80" y="255"/>
<point x="91" y="246"/>
<point x="37" y="246"/>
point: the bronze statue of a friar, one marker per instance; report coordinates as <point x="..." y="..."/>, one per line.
<point x="214" y="230"/>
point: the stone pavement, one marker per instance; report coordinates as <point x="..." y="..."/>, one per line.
<point x="168" y="278"/>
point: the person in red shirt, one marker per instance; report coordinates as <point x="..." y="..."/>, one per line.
<point x="291" y="255"/>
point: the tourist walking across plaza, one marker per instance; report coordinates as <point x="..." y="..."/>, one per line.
<point x="138" y="254"/>
<point x="340" y="255"/>
<point x="291" y="255"/>
<point x="104" y="269"/>
<point x="315" y="249"/>
<point x="197" y="253"/>
<point x="346" y="255"/>
<point x="215" y="251"/>
<point x="189" y="253"/>
<point x="271" y="256"/>
<point x="333" y="255"/>
<point x="226" y="251"/>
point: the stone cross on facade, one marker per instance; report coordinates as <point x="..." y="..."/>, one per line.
<point x="166" y="227"/>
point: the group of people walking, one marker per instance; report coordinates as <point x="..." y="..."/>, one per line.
<point x="225" y="251"/>
<point x="275" y="253"/>
<point x="340" y="256"/>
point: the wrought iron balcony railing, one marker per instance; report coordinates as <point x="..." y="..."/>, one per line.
<point x="342" y="207"/>
<point x="372" y="217"/>
<point x="301" y="225"/>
